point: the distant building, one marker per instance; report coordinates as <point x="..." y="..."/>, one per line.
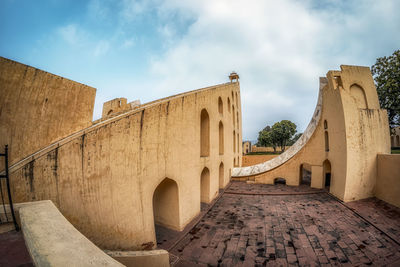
<point x="395" y="137"/>
<point x="246" y="147"/>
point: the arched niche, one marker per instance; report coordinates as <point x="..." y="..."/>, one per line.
<point x="220" y="106"/>
<point x="326" y="141"/>
<point x="204" y="134"/>
<point x="358" y="94"/>
<point x="221" y="175"/>
<point x="233" y="116"/>
<point x="305" y="174"/>
<point x="229" y="105"/>
<point x="234" y="142"/>
<point x="166" y="204"/>
<point x="205" y="185"/>
<point x="327" y="169"/>
<point x="221" y="138"/>
<point x="237" y="99"/>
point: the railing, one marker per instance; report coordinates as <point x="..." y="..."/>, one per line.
<point x="7" y="218"/>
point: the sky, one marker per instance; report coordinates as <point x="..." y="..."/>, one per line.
<point x="152" y="49"/>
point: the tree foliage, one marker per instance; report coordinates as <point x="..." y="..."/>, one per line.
<point x="386" y="72"/>
<point x="280" y="134"/>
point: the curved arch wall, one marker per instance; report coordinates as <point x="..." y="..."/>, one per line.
<point x="103" y="178"/>
<point x="356" y="135"/>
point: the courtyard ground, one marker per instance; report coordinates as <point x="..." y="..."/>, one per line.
<point x="258" y="225"/>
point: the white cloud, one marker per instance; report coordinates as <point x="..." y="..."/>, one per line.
<point x="71" y="34"/>
<point x="279" y="48"/>
<point x="101" y="48"/>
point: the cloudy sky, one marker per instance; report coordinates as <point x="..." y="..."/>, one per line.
<point x="151" y="49"/>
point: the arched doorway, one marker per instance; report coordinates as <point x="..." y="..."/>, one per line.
<point x="327" y="173"/>
<point x="205" y="186"/>
<point x="305" y="174"/>
<point x="166" y="207"/>
<point x="221" y="175"/>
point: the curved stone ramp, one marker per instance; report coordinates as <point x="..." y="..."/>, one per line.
<point x="16" y="166"/>
<point x="52" y="241"/>
<point x="293" y="150"/>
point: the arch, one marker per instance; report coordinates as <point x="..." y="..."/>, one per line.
<point x="233" y="142"/>
<point x="220" y="106"/>
<point x="327" y="169"/>
<point x="166" y="204"/>
<point x="205" y="186"/>
<point x="237" y="118"/>
<point x="237" y="143"/>
<point x="234" y="162"/>
<point x="237" y="101"/>
<point x="204" y="134"/>
<point x="358" y="94"/>
<point x="325" y="125"/>
<point x="233" y="98"/>
<point x="279" y="180"/>
<point x="221" y="138"/>
<point x="326" y="141"/>
<point x="305" y="174"/>
<point x="221" y="175"/>
<point x="229" y="104"/>
<point x="233" y="116"/>
<point x="110" y="111"/>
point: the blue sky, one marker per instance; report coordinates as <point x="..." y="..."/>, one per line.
<point x="151" y="49"/>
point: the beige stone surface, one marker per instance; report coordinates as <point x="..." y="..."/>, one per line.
<point x="388" y="180"/>
<point x="38" y="108"/>
<point x="52" y="241"/>
<point x="159" y="258"/>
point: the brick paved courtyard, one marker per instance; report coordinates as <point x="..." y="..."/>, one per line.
<point x="294" y="229"/>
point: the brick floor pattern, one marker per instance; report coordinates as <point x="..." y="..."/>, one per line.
<point x="291" y="230"/>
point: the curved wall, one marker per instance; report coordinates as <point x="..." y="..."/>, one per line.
<point x="103" y="178"/>
<point x="355" y="135"/>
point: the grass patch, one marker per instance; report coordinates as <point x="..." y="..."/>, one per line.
<point x="395" y="150"/>
<point x="262" y="153"/>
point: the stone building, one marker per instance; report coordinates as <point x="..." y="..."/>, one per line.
<point x="395" y="137"/>
<point x="246" y="147"/>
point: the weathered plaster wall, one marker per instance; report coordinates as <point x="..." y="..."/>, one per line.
<point x="37" y="108"/>
<point x="388" y="181"/>
<point x="103" y="178"/>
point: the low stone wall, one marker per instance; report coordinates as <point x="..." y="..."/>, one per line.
<point x="159" y="258"/>
<point x="52" y="241"/>
<point x="388" y="178"/>
<point x="249" y="160"/>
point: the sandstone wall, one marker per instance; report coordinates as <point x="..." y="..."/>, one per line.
<point x="104" y="178"/>
<point x="349" y="132"/>
<point x="388" y="181"/>
<point x="38" y="108"/>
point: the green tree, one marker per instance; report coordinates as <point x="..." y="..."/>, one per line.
<point x="280" y="134"/>
<point x="386" y="72"/>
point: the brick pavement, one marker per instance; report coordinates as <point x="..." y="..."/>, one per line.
<point x="13" y="251"/>
<point x="283" y="230"/>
